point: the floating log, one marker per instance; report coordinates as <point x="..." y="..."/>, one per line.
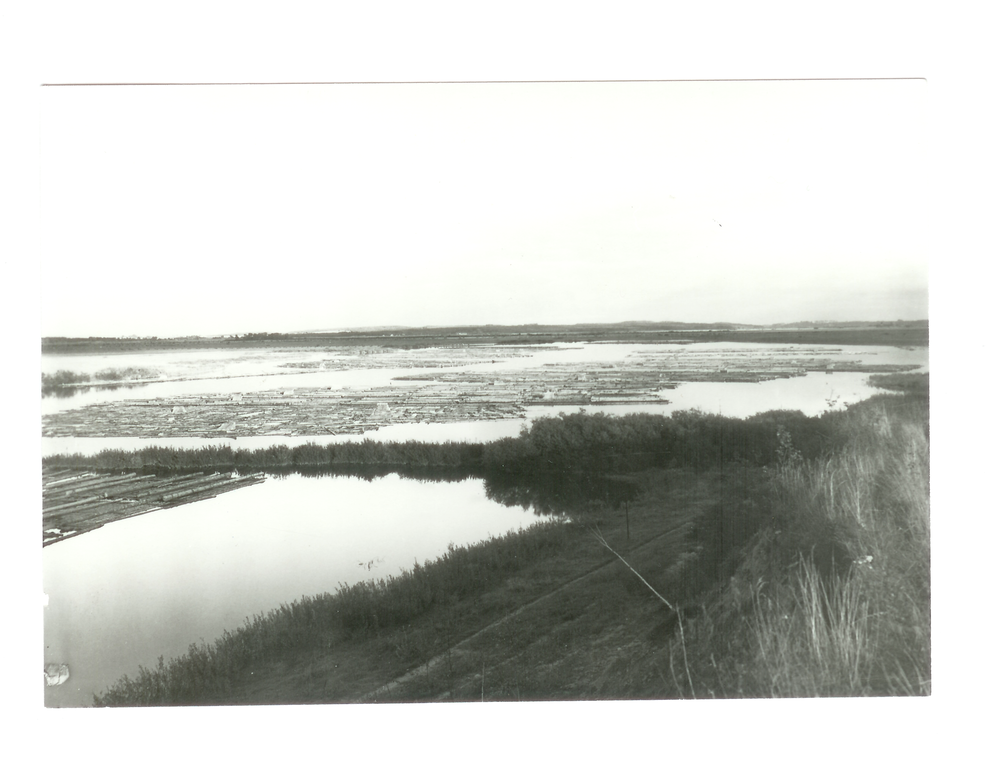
<point x="68" y="483"/>
<point x="113" y="497"/>
<point x="104" y="483"/>
<point x="445" y="396"/>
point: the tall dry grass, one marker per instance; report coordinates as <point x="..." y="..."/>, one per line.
<point x="832" y="598"/>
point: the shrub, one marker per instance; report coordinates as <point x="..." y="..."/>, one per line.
<point x="61" y="383"/>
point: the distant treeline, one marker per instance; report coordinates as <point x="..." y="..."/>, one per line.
<point x="570" y="443"/>
<point x="855" y="332"/>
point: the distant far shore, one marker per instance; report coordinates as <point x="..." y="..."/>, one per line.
<point x="895" y="333"/>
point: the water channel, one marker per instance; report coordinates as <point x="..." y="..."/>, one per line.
<point x="124" y="595"/>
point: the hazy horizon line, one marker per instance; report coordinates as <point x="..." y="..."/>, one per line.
<point x="695" y="325"/>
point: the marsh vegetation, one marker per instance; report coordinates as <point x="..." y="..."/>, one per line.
<point x="914" y="383"/>
<point x="567" y="444"/>
<point x="794" y="551"/>
<point x="64" y="383"/>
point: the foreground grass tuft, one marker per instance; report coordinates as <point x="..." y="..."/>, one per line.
<point x="832" y="596"/>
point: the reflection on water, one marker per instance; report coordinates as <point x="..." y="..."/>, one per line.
<point x="121" y="596"/>
<point x="64" y="392"/>
<point x="557" y="493"/>
<point x="813" y="394"/>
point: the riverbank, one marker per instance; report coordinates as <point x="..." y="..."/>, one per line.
<point x="805" y="573"/>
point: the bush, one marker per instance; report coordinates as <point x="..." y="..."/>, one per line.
<point x="131" y="373"/>
<point x="61" y="383"/>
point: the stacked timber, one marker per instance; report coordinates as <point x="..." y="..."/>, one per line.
<point x="303" y="411"/>
<point x="77" y="501"/>
<point x="445" y="396"/>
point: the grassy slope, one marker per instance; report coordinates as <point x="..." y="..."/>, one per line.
<point x="345" y="646"/>
<point x="790" y="622"/>
<point x="546" y="631"/>
<point x="811" y="578"/>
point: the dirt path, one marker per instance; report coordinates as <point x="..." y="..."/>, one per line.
<point x="436" y="661"/>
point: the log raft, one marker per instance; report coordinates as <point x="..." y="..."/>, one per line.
<point x="479" y="393"/>
<point x="78" y="501"/>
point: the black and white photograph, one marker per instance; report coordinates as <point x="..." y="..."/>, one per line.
<point x="442" y="392"/>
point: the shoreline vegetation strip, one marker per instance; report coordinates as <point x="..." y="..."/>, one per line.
<point x="565" y="443"/>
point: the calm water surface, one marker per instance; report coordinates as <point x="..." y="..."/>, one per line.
<point x="123" y="595"/>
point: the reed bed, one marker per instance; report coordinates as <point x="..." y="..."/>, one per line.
<point x="568" y="443"/>
<point x="62" y="383"/>
<point x="914" y="383"/>
<point x="65" y="383"/>
<point x="281" y="458"/>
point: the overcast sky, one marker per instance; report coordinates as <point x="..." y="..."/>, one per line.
<point x="206" y="210"/>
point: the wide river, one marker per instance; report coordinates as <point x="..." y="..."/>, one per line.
<point x="124" y="595"/>
<point x="205" y="372"/>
